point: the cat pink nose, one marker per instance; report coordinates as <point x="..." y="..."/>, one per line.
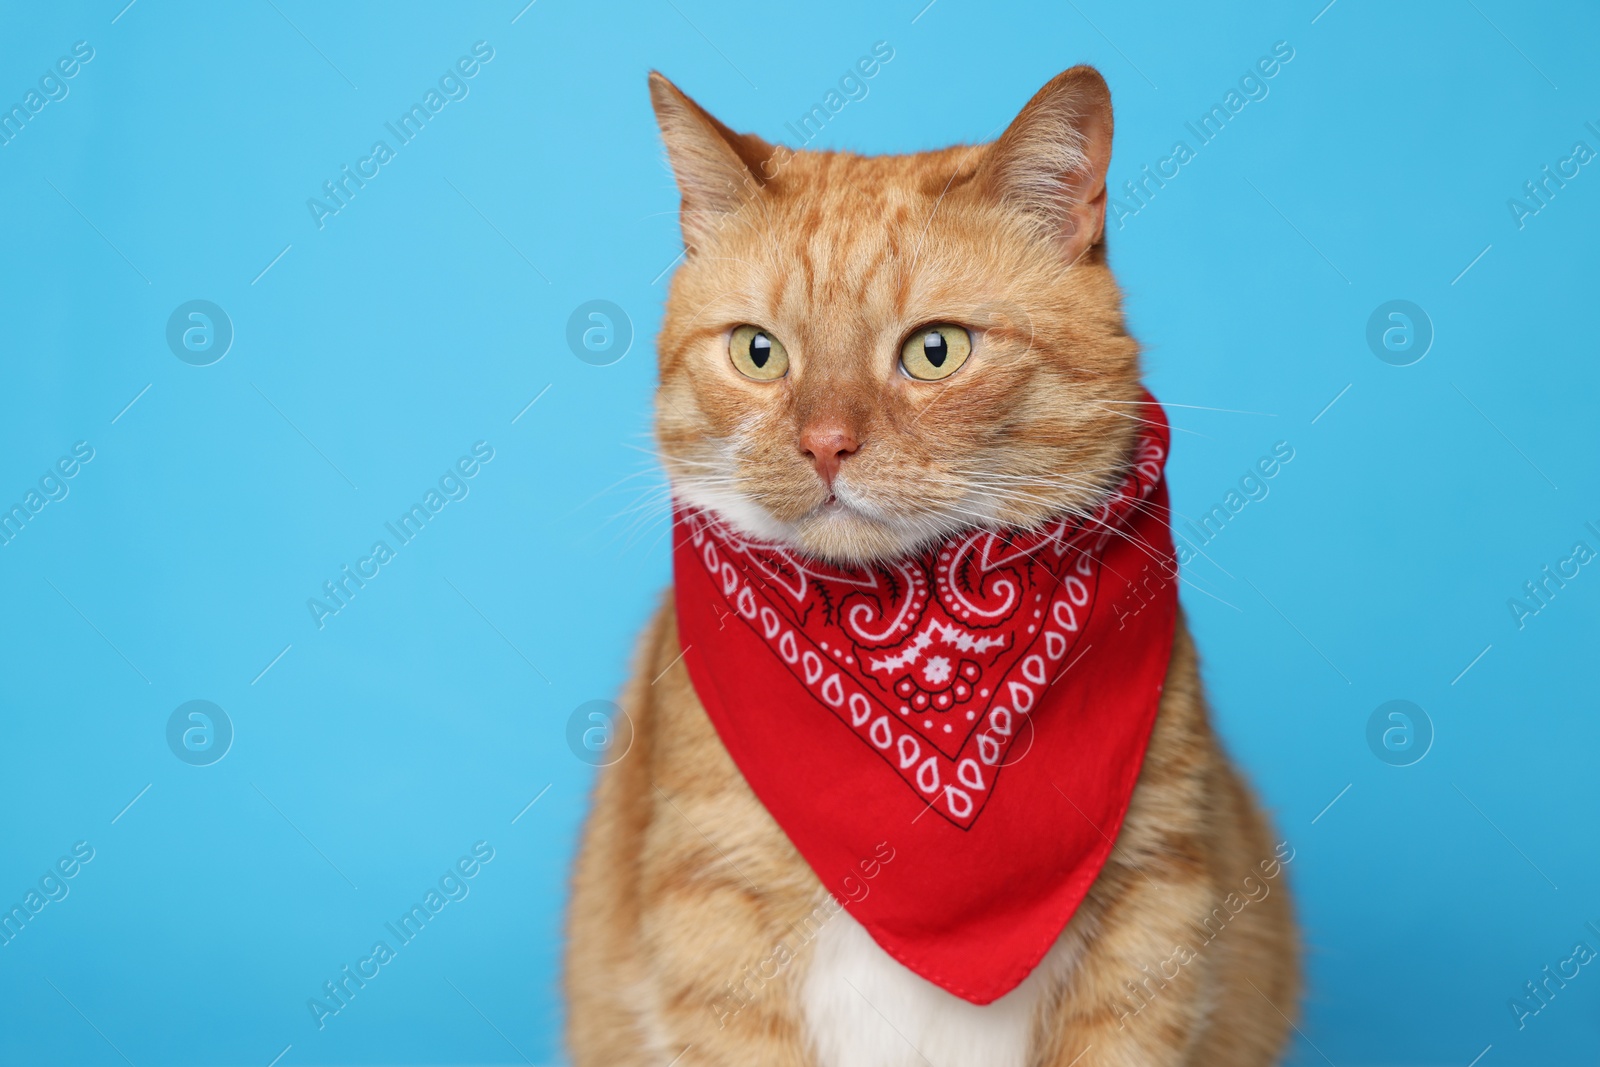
<point x="826" y="444"/>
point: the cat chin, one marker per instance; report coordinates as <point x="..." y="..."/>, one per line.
<point x="847" y="537"/>
<point x="841" y="533"/>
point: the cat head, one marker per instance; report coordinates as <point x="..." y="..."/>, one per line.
<point x="862" y="355"/>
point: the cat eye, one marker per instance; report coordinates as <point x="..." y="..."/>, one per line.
<point x="757" y="354"/>
<point x="935" y="352"/>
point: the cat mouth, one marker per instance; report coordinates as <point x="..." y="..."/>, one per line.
<point x="841" y="503"/>
<point x="845" y="509"/>
<point x="839" y="508"/>
<point x="834" y="508"/>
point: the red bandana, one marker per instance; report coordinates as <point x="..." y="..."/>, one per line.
<point x="983" y="708"/>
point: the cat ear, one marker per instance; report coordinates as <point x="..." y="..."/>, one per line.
<point x="717" y="170"/>
<point x="1051" y="161"/>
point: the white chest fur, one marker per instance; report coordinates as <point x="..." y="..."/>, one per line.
<point x="863" y="1008"/>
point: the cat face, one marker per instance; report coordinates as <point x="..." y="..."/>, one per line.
<point x="861" y="355"/>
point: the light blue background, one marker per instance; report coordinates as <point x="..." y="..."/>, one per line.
<point x="427" y="314"/>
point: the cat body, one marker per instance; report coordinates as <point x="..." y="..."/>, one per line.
<point x="860" y="356"/>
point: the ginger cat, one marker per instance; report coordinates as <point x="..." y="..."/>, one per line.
<point x="698" y="934"/>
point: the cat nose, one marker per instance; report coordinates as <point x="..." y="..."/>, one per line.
<point x="826" y="445"/>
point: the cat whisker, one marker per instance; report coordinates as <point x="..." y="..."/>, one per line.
<point x="1192" y="407"/>
<point x="688" y="461"/>
<point x="638" y="508"/>
<point x="1147" y="422"/>
<point x="613" y="486"/>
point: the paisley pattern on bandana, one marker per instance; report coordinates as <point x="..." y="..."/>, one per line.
<point x="937" y="661"/>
